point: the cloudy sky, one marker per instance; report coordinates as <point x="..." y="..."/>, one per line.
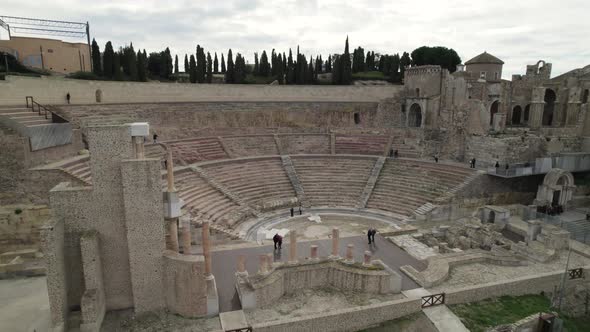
<point x="518" y="31"/>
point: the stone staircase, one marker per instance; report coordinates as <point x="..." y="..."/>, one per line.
<point x="292" y="174"/>
<point x="225" y="191"/>
<point x="371" y="183"/>
<point x="37" y="126"/>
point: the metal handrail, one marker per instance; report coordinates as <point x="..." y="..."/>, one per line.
<point x="54" y="116"/>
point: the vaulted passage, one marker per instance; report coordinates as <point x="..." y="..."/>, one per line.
<point x="494" y="110"/>
<point x="516" y="114"/>
<point x="549" y="107"/>
<point x="415" y="116"/>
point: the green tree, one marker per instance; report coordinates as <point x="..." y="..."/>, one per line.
<point x="229" y="73"/>
<point x="404" y="62"/>
<point x="445" y="57"/>
<point x="346" y="65"/>
<point x="336" y="69"/>
<point x="186" y="65"/>
<point x="290" y="69"/>
<point x="129" y="62"/>
<point x="329" y="64"/>
<point x="141" y="67"/>
<point x="192" y="72"/>
<point x="264" y="65"/>
<point x="256" y="67"/>
<point x="201" y="64"/>
<point x="209" y="68"/>
<point x="117" y="74"/>
<point x="176" y="64"/>
<point x="96" y="66"/>
<point x="108" y="60"/>
<point x="216" y="64"/>
<point x="239" y="69"/>
<point x="223" y="69"/>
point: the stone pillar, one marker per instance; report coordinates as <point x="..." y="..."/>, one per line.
<point x="367" y="260"/>
<point x="292" y="247"/>
<point x="206" y="248"/>
<point x="262" y="264"/>
<point x="314" y="252"/>
<point x="173" y="234"/>
<point x="185" y="237"/>
<point x="571" y="116"/>
<point x="241" y="263"/>
<point x="537" y="107"/>
<point x="533" y="229"/>
<point x="139" y="150"/>
<point x="335" y="242"/>
<point x="530" y="212"/>
<point x="350" y="253"/>
<point x="170" y="171"/>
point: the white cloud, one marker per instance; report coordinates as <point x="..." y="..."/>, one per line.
<point x="519" y="32"/>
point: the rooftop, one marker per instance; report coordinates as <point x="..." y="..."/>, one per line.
<point x="486" y="58"/>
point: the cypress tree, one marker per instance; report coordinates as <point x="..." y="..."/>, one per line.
<point x="336" y="70"/>
<point x="264" y="65"/>
<point x="403" y="63"/>
<point x="186" y="65"/>
<point x="284" y="61"/>
<point x="256" y="70"/>
<point x="280" y="70"/>
<point x="329" y="64"/>
<point x="141" y="67"/>
<point x="290" y="79"/>
<point x="117" y="74"/>
<point x="239" y="69"/>
<point x="176" y="64"/>
<point x="229" y="73"/>
<point x="223" y="70"/>
<point x="346" y="66"/>
<point x="309" y="73"/>
<point x="96" y="66"/>
<point x="209" y="68"/>
<point x="192" y="72"/>
<point x="216" y="64"/>
<point x="108" y="59"/>
<point x="201" y="64"/>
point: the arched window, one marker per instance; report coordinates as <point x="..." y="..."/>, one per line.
<point x="494" y="110"/>
<point x="516" y="114"/>
<point x="357" y="118"/>
<point x="549" y="107"/>
<point x="415" y="116"/>
<point x="527" y="112"/>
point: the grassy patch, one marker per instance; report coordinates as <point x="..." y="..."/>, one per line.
<point x="503" y="310"/>
<point x="370" y="75"/>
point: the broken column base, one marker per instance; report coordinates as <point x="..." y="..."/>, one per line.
<point x="212" y="297"/>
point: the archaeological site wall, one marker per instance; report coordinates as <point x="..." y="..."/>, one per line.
<point x="53" y="91"/>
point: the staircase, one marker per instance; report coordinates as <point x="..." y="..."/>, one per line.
<point x="44" y="128"/>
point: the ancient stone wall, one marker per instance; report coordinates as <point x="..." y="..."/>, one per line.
<point x="20" y="226"/>
<point x="53" y="91"/>
<point x="512" y="149"/>
<point x="186" y="296"/>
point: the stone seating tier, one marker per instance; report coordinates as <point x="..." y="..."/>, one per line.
<point x="333" y="181"/>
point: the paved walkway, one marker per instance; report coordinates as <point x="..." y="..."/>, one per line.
<point x="224" y="262"/>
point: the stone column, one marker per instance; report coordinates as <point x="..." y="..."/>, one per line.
<point x="367" y="260"/>
<point x="292" y="247"/>
<point x="241" y="263"/>
<point x="335" y="242"/>
<point x="170" y="171"/>
<point x="314" y="252"/>
<point x="173" y="234"/>
<point x="139" y="150"/>
<point x="185" y="236"/>
<point x="571" y="117"/>
<point x="206" y="248"/>
<point x="537" y="107"/>
<point x="262" y="264"/>
<point x="350" y="253"/>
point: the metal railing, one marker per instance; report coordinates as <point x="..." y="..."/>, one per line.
<point x="579" y="229"/>
<point x="42" y="110"/>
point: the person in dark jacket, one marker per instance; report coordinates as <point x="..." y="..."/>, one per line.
<point x="68" y="97"/>
<point x="373" y="232"/>
<point x="292" y="211"/>
<point x="369" y="234"/>
<point x="278" y="241"/>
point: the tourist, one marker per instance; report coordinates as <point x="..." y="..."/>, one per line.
<point x="473" y="162"/>
<point x="300" y="211"/>
<point x="155" y="138"/>
<point x="292" y="212"/>
<point x="395" y="154"/>
<point x="373" y="232"/>
<point x="497" y="166"/>
<point x="278" y="241"/>
<point x="470" y="163"/>
<point x="506" y="166"/>
<point x="436" y="159"/>
<point x="587" y="216"/>
<point x="370" y="235"/>
<point x="68" y="97"/>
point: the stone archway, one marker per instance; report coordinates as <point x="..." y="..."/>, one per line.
<point x="491" y="217"/>
<point x="415" y="116"/>
<point x="557" y="188"/>
<point x="548" y="109"/>
<point x="493" y="110"/>
<point x="516" y="115"/>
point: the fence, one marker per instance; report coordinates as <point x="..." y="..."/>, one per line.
<point x="579" y="229"/>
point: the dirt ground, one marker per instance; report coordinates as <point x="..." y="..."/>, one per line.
<point x="24" y="305"/>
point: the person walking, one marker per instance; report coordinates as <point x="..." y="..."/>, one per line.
<point x="395" y="154"/>
<point x="300" y="210"/>
<point x="68" y="97"/>
<point x="436" y="159"/>
<point x="155" y="138"/>
<point x="473" y="162"/>
<point x="373" y="232"/>
<point x="292" y="211"/>
<point x="278" y="241"/>
<point x="369" y="234"/>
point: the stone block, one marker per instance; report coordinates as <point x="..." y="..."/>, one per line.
<point x="140" y="129"/>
